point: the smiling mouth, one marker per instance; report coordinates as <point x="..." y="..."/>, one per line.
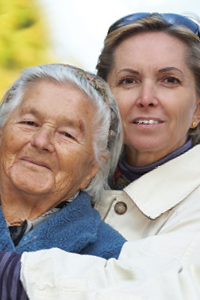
<point x="147" y="122"/>
<point x="37" y="163"/>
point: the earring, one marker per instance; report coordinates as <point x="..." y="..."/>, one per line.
<point x="194" y="124"/>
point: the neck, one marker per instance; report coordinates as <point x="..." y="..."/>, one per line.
<point x="18" y="206"/>
<point x="137" y="158"/>
<point x="140" y="159"/>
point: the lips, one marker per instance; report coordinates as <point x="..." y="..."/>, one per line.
<point x="147" y="121"/>
<point x="36" y="162"/>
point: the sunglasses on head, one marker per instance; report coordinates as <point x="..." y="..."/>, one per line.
<point x="172" y="19"/>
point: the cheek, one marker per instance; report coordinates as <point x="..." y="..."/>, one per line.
<point x="70" y="176"/>
<point x="6" y="154"/>
<point x="74" y="165"/>
<point x="10" y="146"/>
<point x="123" y="109"/>
<point x="187" y="113"/>
<point x="126" y="103"/>
<point x="182" y="119"/>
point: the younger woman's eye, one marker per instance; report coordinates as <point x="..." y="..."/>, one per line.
<point x="127" y="81"/>
<point x="172" y="80"/>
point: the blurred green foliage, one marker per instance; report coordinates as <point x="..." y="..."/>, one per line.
<point x="23" y="39"/>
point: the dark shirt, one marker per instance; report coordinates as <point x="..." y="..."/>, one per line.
<point x="126" y="173"/>
<point x="10" y="284"/>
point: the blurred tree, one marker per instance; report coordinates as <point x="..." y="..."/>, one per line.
<point x="24" y="39"/>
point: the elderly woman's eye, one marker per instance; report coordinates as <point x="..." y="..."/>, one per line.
<point x="68" y="135"/>
<point x="31" y="123"/>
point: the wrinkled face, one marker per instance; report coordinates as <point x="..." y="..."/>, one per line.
<point x="47" y="142"/>
<point x="155" y="91"/>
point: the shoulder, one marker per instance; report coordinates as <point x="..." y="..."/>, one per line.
<point x="108" y="244"/>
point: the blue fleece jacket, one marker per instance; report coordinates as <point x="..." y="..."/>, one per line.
<point x="75" y="228"/>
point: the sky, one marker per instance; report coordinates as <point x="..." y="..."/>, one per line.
<point x="77" y="28"/>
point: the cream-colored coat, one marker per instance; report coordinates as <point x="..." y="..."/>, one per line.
<point x="160" y="217"/>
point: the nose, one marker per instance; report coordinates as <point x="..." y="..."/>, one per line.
<point x="43" y="140"/>
<point x="147" y="96"/>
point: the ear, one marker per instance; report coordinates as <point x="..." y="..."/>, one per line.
<point x="94" y="169"/>
<point x="196" y="116"/>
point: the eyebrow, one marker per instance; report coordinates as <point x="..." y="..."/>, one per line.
<point x="65" y="121"/>
<point x="128" y="70"/>
<point x="77" y="124"/>
<point x="160" y="71"/>
<point x="170" y="69"/>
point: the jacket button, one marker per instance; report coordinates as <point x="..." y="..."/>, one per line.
<point x="120" y="208"/>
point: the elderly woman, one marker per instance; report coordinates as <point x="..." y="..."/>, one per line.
<point x="58" y="127"/>
<point x="152" y="64"/>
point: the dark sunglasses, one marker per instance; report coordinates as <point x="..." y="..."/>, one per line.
<point x="172" y="19"/>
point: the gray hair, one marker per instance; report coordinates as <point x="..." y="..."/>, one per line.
<point x="107" y="124"/>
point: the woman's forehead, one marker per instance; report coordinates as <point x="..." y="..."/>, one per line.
<point x="155" y="49"/>
<point x="65" y="103"/>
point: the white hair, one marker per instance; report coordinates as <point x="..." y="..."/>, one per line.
<point x="107" y="125"/>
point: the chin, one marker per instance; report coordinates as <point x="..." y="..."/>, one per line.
<point x="32" y="183"/>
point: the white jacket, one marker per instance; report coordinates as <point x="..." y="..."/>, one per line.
<point x="160" y="216"/>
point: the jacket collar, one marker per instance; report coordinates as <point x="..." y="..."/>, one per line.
<point x="161" y="189"/>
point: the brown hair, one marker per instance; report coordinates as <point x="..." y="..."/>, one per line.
<point x="153" y="23"/>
